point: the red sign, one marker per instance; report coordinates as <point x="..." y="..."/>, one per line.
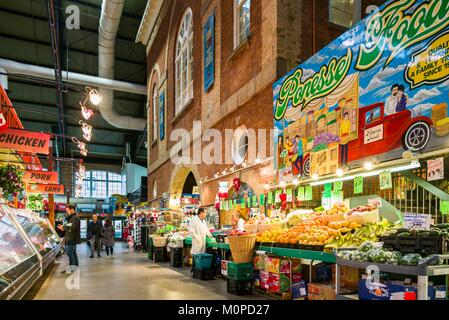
<point x="45" y="188"/>
<point x="26" y="141"/>
<point x="40" y="176"/>
<point x="189" y="201"/>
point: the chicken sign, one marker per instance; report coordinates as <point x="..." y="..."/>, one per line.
<point x="379" y="89"/>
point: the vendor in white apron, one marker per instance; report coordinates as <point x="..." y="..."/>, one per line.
<point x="199" y="230"/>
<point x="238" y="222"/>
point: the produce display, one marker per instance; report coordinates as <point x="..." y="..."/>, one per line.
<point x="297" y="216"/>
<point x="435" y="231"/>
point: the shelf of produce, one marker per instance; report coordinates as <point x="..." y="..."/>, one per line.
<point x="391" y="268"/>
<point x="300" y="254"/>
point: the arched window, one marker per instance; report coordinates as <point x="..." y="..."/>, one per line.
<point x="183" y="62"/>
<point x="241" y="21"/>
<point x="155" y="105"/>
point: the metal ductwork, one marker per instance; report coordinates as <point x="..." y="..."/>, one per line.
<point x="111" y="12"/>
<point x="18" y="68"/>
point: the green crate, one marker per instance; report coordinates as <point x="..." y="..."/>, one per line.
<point x="240" y="271"/>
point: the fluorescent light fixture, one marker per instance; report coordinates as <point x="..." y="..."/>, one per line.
<point x="282" y="184"/>
<point x="315" y="176"/>
<point x="258" y="159"/>
<point x="267" y="186"/>
<point x="340" y="172"/>
<point x="94" y="97"/>
<point x="295" y="182"/>
<point x="413" y="165"/>
<point x="368" y="165"/>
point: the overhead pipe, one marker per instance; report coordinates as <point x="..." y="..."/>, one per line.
<point x="13" y="67"/>
<point x="111" y="12"/>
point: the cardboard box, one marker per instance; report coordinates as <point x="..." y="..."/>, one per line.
<point x="321" y="291"/>
<point x="299" y="289"/>
<point x="349" y="278"/>
<point x="277" y="265"/>
<point x="259" y="262"/>
<point x="280" y="282"/>
<point x="224" y="267"/>
<point x="386" y="291"/>
<point x="264" y="279"/>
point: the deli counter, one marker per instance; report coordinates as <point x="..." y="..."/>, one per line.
<point x="28" y="245"/>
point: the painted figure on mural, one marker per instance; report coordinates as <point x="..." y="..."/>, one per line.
<point x="289" y="148"/>
<point x="392" y="100"/>
<point x="297" y="158"/>
<point x="402" y="99"/>
<point x="345" y="129"/>
<point x="280" y="148"/>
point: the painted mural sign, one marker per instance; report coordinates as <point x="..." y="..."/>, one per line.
<point x="379" y="89"/>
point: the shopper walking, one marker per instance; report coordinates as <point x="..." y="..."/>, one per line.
<point x="94" y="229"/>
<point x="72" y="237"/>
<point x="108" y="236"/>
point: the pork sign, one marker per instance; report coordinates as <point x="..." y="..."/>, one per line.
<point x="40" y="177"/>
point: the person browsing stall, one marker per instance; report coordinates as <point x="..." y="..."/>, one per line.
<point x="72" y="231"/>
<point x="94" y="235"/>
<point x="238" y="222"/>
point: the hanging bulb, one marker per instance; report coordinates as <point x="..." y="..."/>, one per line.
<point x="87" y="130"/>
<point x="94" y="97"/>
<point x="87" y="113"/>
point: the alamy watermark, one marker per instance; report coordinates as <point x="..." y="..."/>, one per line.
<point x="73" y="280"/>
<point x="72" y="22"/>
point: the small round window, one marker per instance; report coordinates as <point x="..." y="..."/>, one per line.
<point x="239" y="148"/>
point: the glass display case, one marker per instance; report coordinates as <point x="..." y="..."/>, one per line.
<point x="19" y="262"/>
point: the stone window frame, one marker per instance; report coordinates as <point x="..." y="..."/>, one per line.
<point x="241" y="33"/>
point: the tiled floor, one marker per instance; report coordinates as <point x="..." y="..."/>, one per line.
<point x="128" y="275"/>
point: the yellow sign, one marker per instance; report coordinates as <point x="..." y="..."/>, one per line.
<point x="430" y="65"/>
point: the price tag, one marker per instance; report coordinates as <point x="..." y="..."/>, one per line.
<point x="243" y="204"/>
<point x="262" y="200"/>
<point x="444" y="207"/>
<point x="385" y="180"/>
<point x="358" y="185"/>
<point x="338" y="186"/>
<point x="301" y="193"/>
<point x="277" y="199"/>
<point x="417" y="221"/>
<point x="435" y="169"/>
<point x="289" y="193"/>
<point x="375" y="202"/>
<point x="328" y="187"/>
<point x="270" y="198"/>
<point x="254" y="201"/>
<point x="308" y="194"/>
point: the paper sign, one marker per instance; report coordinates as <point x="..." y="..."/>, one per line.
<point x="277" y="199"/>
<point x="338" y="185"/>
<point x="444" y="207"/>
<point x="358" y="185"/>
<point x="262" y="200"/>
<point x="254" y="201"/>
<point x="435" y="169"/>
<point x="308" y="194"/>
<point x="301" y="193"/>
<point x="40" y="176"/>
<point x="374" y="134"/>
<point x="385" y="180"/>
<point x="327" y="193"/>
<point x="336" y="197"/>
<point x="328" y="187"/>
<point x="243" y="204"/>
<point x="289" y="193"/>
<point x="45" y="188"/>
<point x="26" y="141"/>
<point x="270" y="198"/>
<point x="417" y="221"/>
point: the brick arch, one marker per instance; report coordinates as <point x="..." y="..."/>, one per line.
<point x="179" y="176"/>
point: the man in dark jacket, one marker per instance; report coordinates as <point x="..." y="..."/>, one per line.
<point x="72" y="237"/>
<point x="94" y="235"/>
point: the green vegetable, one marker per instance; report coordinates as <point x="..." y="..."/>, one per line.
<point x="442" y="226"/>
<point x="393" y="257"/>
<point x="402" y="230"/>
<point x="366" y="246"/>
<point x="411" y="259"/>
<point x="435" y="233"/>
<point x="424" y="234"/>
<point x="377" y="255"/>
<point x="404" y="234"/>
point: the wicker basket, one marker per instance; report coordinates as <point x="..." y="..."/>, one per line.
<point x="159" y="241"/>
<point x="250" y="228"/>
<point x="242" y="248"/>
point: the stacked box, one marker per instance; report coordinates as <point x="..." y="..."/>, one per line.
<point x="203" y="274"/>
<point x="280" y="282"/>
<point x="279" y="265"/>
<point x="240" y="287"/>
<point x="320" y="291"/>
<point x="176" y="257"/>
<point x="299" y="289"/>
<point x="349" y="278"/>
<point x="264" y="279"/>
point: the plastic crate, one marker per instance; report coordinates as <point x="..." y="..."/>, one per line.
<point x="390" y="243"/>
<point x="433" y="245"/>
<point x="176" y="257"/>
<point x="159" y="254"/>
<point x="203" y="261"/>
<point x="240" y="287"/>
<point x="240" y="271"/>
<point x="203" y="274"/>
<point x="408" y="244"/>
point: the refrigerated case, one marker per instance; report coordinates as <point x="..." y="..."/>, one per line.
<point x="20" y="265"/>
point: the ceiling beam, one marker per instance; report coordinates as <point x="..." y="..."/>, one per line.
<point x="89" y="53"/>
